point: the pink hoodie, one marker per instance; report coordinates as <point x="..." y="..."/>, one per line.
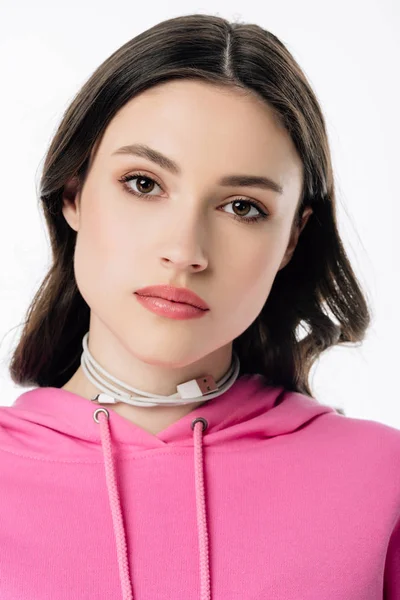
<point x="280" y="497"/>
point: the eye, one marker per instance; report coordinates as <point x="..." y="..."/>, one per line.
<point x="141" y="177"/>
<point x="261" y="215"/>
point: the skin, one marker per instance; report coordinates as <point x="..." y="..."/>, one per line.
<point x="184" y="234"/>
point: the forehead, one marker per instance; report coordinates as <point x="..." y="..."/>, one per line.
<point x="191" y="118"/>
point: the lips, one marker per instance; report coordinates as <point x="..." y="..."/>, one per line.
<point x="170" y="309"/>
<point x="174" y="294"/>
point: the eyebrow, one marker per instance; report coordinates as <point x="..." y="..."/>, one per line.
<point x="170" y="165"/>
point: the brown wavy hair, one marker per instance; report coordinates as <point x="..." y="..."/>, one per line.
<point x="317" y="292"/>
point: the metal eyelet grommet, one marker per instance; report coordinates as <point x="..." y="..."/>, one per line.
<point x="104" y="410"/>
<point x="202" y="419"/>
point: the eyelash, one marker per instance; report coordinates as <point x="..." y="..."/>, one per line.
<point x="261" y="217"/>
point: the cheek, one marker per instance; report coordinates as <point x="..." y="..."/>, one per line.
<point x="107" y="253"/>
<point x="253" y="270"/>
<point x="246" y="289"/>
<point x="248" y="281"/>
<point x="252" y="286"/>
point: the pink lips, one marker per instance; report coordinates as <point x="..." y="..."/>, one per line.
<point x="167" y="308"/>
<point x="174" y="294"/>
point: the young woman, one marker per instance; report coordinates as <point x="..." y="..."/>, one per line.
<point x="171" y="446"/>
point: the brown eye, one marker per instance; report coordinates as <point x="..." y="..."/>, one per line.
<point x="259" y="216"/>
<point x="241" y="203"/>
<point x="144" y="187"/>
<point x="142" y="183"/>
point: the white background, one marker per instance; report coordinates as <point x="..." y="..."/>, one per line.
<point x="350" y="53"/>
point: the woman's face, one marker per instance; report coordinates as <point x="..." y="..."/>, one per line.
<point x="184" y="231"/>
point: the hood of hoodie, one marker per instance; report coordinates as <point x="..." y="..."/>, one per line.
<point x="249" y="410"/>
<point x="49" y="421"/>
